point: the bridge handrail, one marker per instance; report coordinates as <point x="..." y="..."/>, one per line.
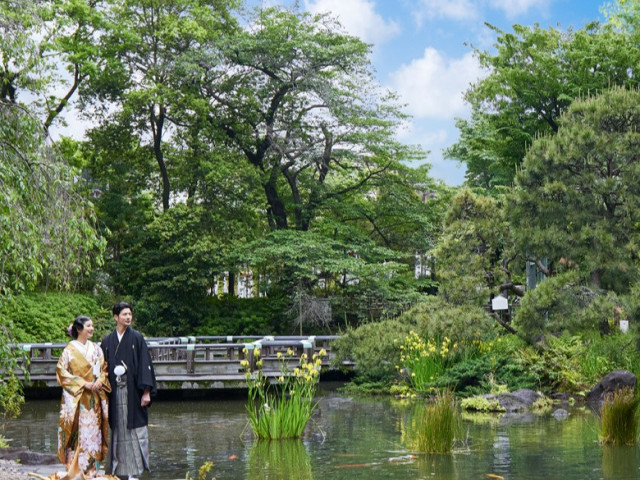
<point x="163" y="350"/>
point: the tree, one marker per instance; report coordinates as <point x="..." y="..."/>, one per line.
<point x="150" y="43"/>
<point x="475" y="255"/>
<point x="576" y="200"/>
<point x="47" y="50"/>
<point x="47" y="231"/>
<point x="533" y="77"/>
<point x="296" y="98"/>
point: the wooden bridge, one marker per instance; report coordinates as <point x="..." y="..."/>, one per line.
<point x="192" y="363"/>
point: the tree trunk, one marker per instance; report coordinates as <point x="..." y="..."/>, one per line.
<point x="157" y="124"/>
<point x="276" y="206"/>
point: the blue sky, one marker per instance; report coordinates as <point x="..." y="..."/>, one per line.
<point x="419" y="51"/>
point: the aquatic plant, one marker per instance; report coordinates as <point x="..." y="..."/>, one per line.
<point x="619" y="418"/>
<point x="424" y="361"/>
<point x="283" y="409"/>
<point x="202" y="472"/>
<point x="437" y="424"/>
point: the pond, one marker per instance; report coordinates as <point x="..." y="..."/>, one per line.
<point x="352" y="439"/>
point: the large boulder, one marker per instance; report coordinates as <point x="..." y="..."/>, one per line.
<point x="610" y="383"/>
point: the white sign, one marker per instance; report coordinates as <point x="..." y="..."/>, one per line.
<point x="624" y="326"/>
<point x="499" y="303"/>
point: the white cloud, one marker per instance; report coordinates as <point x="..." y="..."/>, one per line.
<point x="450" y="9"/>
<point x="433" y="86"/>
<point x="513" y="8"/>
<point x="358" y="17"/>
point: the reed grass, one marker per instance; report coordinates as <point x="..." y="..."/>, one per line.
<point x="438" y="424"/>
<point x="619" y="418"/>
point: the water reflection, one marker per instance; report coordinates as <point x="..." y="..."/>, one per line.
<point x="351" y="439"/>
<point x="619" y="462"/>
<point x="279" y="460"/>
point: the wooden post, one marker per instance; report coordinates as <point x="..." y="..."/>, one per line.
<point x="191" y="354"/>
<point x="307" y="348"/>
<point x="251" y="358"/>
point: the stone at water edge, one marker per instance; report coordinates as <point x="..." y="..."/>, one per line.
<point x="610" y="383"/>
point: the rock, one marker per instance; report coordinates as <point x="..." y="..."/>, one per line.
<point x="518" y="401"/>
<point x="610" y="383"/>
<point x="27" y="457"/>
<point x="560" y="414"/>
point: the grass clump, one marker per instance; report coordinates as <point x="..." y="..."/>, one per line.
<point x="619" y="418"/>
<point x="438" y="424"/>
<point x="284" y="409"/>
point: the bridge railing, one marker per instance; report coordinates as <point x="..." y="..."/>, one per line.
<point x="210" y="358"/>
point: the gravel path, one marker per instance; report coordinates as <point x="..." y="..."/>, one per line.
<point x="10" y="470"/>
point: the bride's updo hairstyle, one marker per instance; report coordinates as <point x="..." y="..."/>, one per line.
<point x="77" y="326"/>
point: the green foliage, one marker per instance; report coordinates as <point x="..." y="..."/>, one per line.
<point x="245" y="316"/>
<point x="282" y="410"/>
<point x="481" y="404"/>
<point x="374" y="349"/>
<point x="423" y="361"/>
<point x="577" y="199"/>
<point x="534" y="75"/>
<point x="557" y="363"/>
<point x="619" y="418"/>
<point x="436" y="426"/>
<point x="175" y="264"/>
<point x="564" y="303"/>
<point x="475" y="250"/>
<point x="46" y="228"/>
<point x="437" y="318"/>
<point x="491" y="366"/>
<point x="45" y="317"/>
<point x="11" y="397"/>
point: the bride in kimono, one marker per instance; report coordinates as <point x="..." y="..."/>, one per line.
<point x="83" y="426"/>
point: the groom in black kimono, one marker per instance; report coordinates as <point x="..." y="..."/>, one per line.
<point x="133" y="382"/>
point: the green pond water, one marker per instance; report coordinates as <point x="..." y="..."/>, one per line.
<point x="353" y="439"/>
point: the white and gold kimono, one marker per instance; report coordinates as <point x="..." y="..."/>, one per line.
<point x="83" y="426"/>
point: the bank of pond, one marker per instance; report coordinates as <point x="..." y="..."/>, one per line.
<point x="352" y="438"/>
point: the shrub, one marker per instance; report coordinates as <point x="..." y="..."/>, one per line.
<point x="435" y="318"/>
<point x="605" y="353"/>
<point x="557" y="363"/>
<point x="374" y="349"/>
<point x="488" y="365"/>
<point x="562" y="303"/>
<point x="618" y="418"/>
<point x="45" y="317"/>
